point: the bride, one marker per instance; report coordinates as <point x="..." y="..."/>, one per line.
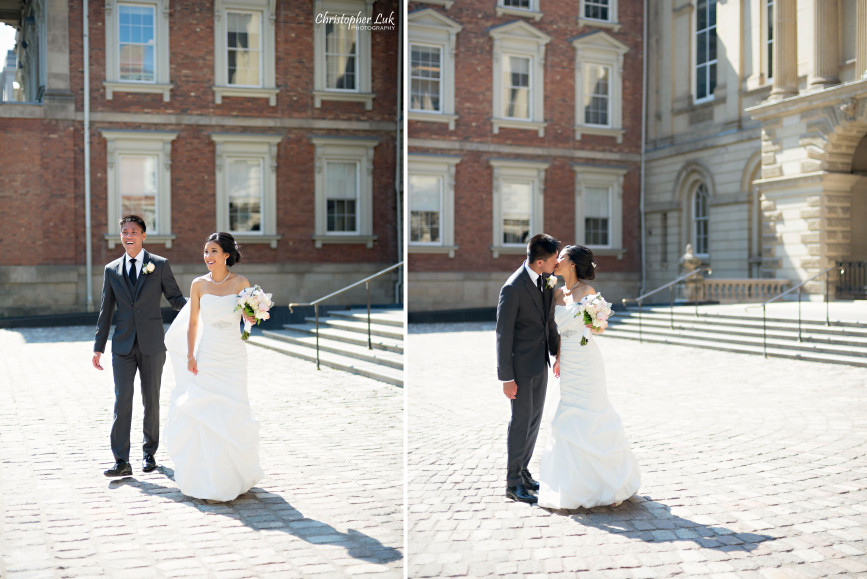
<point x="587" y="462"/>
<point x="212" y="437"/>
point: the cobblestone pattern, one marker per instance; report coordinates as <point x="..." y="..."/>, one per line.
<point x="331" y="503"/>
<point x="750" y="467"/>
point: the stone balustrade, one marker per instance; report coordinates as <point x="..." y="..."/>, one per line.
<point x="741" y="290"/>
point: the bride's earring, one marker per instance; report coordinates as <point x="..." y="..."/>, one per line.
<point x="226" y="261"/>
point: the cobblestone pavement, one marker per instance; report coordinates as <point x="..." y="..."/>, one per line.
<point x="750" y="467"/>
<point x="331" y="503"/>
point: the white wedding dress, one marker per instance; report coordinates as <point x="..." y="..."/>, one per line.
<point x="587" y="462"/>
<point x="211" y="435"/>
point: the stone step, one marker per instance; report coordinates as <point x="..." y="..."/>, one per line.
<point x="359" y="352"/>
<point x="743" y="348"/>
<point x="359" y="327"/>
<point x="332" y="360"/>
<point x="755" y="317"/>
<point x="327" y="332"/>
<point x="378" y="316"/>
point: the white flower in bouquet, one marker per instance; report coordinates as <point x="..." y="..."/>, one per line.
<point x="254" y="303"/>
<point x="595" y="311"/>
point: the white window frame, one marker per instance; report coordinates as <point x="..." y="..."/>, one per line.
<point x="519" y="39"/>
<point x="601" y="49"/>
<point x="150" y="143"/>
<point x="443" y="167"/>
<point x="250" y="146"/>
<point x="508" y="170"/>
<point x="534" y="10"/>
<point x="602" y="177"/>
<point x="694" y="57"/>
<point x="161" y="84"/>
<point x="612" y="23"/>
<point x="363" y="91"/>
<point x="349" y="149"/>
<point x="428" y="27"/>
<point x="222" y="88"/>
<point x="767" y="23"/>
<point x="694" y="220"/>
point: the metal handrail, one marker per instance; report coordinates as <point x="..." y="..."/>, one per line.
<point x="798" y="287"/>
<point x="315" y="304"/>
<point x="670" y="285"/>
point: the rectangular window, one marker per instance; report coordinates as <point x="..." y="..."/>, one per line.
<point x="425" y="78"/>
<point x="425" y="208"/>
<point x="244" y="48"/>
<point x="517" y="213"/>
<point x="341" y="185"/>
<point x="137" y="43"/>
<point x="597" y="215"/>
<point x="340" y="56"/>
<point x="706" y="61"/>
<point x="770" y="40"/>
<point x="138" y="188"/>
<point x="596" y="9"/>
<point x="522" y="4"/>
<point x="245" y="195"/>
<point x="518" y="95"/>
<point x="597" y="95"/>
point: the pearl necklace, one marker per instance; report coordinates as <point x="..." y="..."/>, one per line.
<point x="211" y="278"/>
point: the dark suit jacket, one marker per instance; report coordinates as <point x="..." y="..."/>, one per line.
<point x="526" y="332"/>
<point x="138" y="308"/>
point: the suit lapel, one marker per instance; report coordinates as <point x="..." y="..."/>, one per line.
<point x="124" y="278"/>
<point x="141" y="277"/>
<point x="535" y="294"/>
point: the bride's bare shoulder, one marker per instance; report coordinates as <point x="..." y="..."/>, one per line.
<point x="560" y="297"/>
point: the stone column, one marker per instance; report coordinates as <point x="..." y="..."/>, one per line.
<point x="785" y="49"/>
<point x="861" y="42"/>
<point x="826" y="54"/>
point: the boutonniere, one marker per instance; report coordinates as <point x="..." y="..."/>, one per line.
<point x="149" y="268"/>
<point x="551" y="281"/>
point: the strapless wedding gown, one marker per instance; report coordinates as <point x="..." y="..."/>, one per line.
<point x="211" y="435"/>
<point x="587" y="462"/>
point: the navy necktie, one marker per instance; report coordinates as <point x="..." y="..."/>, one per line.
<point x="539" y="282"/>
<point x="132" y="276"/>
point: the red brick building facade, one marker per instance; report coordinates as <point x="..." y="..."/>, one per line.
<point x="524" y="117"/>
<point x="275" y="120"/>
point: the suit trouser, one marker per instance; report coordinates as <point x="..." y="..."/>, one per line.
<point x="150" y="369"/>
<point x="524" y="426"/>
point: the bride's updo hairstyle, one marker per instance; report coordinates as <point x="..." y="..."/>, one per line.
<point x="582" y="258"/>
<point x="228" y="245"/>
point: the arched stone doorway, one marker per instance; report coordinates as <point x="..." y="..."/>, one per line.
<point x="859" y="203"/>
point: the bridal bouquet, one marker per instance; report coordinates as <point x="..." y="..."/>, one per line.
<point x="596" y="312"/>
<point x="254" y="303"/>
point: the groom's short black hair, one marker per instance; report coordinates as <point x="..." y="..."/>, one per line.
<point x="133" y="219"/>
<point x="541" y="246"/>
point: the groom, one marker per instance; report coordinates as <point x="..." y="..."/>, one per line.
<point x="135" y="282"/>
<point x="526" y="336"/>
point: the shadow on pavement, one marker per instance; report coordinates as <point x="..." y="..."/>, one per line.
<point x="651" y="521"/>
<point x="281" y="517"/>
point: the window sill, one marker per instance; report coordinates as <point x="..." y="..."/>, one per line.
<point x="433" y="249"/>
<point x="245" y="92"/>
<point x="353" y="97"/>
<point x="607" y="251"/>
<point x="613" y="26"/>
<point x="433" y="118"/>
<point x="496" y="250"/>
<point x="112" y="87"/>
<point x="321" y="240"/>
<point x="445" y="3"/>
<point x="499" y="123"/>
<point x="604" y="131"/>
<point x="253" y="239"/>
<point x="509" y="11"/>
<point x="113" y="239"/>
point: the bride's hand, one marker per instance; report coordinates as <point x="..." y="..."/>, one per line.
<point x="251" y="319"/>
<point x="594" y="329"/>
<point x="191" y="366"/>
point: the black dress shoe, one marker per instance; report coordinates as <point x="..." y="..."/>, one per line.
<point x="529" y="482"/>
<point x="120" y="468"/>
<point x="520" y="493"/>
<point x="148" y="463"/>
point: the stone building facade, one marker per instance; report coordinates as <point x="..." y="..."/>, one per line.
<point x="756" y="149"/>
<point x="524" y="116"/>
<point x="259" y="117"/>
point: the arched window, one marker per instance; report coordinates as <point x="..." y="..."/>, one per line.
<point x="700" y="220"/>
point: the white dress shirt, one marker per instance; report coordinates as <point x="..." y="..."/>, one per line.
<point x="533" y="275"/>
<point x="138" y="263"/>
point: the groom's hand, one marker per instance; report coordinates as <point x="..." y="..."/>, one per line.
<point x="96" y="356"/>
<point x="510" y="389"/>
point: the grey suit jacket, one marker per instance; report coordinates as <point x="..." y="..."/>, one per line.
<point x="526" y="332"/>
<point x="138" y="308"/>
